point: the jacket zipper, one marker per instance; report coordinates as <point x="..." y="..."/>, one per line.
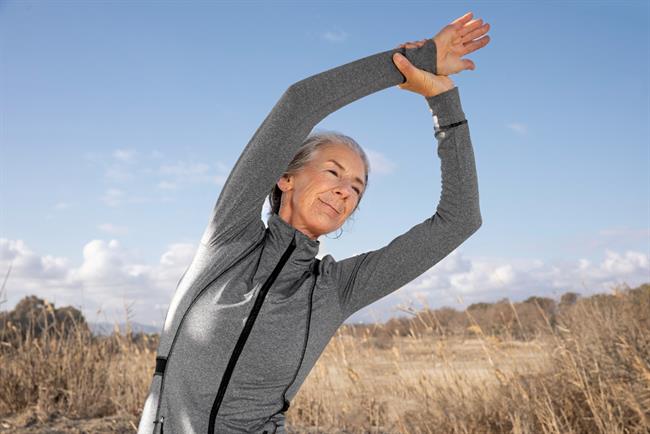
<point x="171" y="347"/>
<point x="162" y="418"/>
<point x="244" y="334"/>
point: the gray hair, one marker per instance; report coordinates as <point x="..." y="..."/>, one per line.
<point x="307" y="153"/>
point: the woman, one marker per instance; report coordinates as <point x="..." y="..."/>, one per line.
<point x="255" y="308"/>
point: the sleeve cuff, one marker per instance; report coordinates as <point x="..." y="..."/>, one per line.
<point x="423" y="57"/>
<point x="446" y="107"/>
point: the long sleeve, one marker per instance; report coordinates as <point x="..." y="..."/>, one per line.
<point x="301" y="107"/>
<point x="369" y="276"/>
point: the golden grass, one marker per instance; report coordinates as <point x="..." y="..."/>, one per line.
<point x="587" y="370"/>
<point x="77" y="375"/>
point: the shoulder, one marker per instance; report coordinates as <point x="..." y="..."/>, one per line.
<point x="232" y="244"/>
<point x="326" y="264"/>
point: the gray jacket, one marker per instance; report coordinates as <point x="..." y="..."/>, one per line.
<point x="255" y="309"/>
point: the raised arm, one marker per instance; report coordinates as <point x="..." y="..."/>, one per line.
<point x="369" y="276"/>
<point x="301" y="107"/>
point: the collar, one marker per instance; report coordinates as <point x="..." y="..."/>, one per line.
<point x="280" y="235"/>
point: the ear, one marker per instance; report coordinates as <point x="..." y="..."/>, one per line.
<point x="285" y="183"/>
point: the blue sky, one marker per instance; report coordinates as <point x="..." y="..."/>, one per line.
<point x="120" y="121"/>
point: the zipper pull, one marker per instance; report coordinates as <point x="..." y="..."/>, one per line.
<point x="162" y="418"/>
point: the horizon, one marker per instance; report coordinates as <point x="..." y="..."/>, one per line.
<point x="96" y="326"/>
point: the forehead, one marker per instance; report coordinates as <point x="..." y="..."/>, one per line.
<point x="343" y="155"/>
<point x="344" y="158"/>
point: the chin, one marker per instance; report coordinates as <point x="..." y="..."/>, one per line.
<point x="319" y="227"/>
<point x="322" y="223"/>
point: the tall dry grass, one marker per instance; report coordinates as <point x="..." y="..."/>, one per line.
<point x="586" y="369"/>
<point x="587" y="372"/>
<point x="69" y="371"/>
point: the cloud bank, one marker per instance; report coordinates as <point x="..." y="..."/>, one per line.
<point x="111" y="281"/>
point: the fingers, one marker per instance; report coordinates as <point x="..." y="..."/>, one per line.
<point x="475" y="45"/>
<point x="462" y="20"/>
<point x="470" y="33"/>
<point x="479" y="31"/>
<point x="473" y="30"/>
<point x="415" y="44"/>
<point x="469" y="29"/>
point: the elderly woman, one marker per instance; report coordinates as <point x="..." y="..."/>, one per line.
<point x="255" y="308"/>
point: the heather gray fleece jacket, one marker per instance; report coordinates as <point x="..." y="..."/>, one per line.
<point x="242" y="267"/>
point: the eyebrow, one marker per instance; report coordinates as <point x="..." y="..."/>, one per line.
<point x="359" y="180"/>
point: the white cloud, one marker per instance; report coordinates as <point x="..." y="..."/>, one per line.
<point x="616" y="263"/>
<point x="115" y="197"/>
<point x="122" y="167"/>
<point x="22" y="258"/>
<point x="379" y="163"/>
<point x="457" y="281"/>
<point x="100" y="261"/>
<point x="125" y="155"/>
<point x="183" y="172"/>
<point x="110" y="276"/>
<point x="335" y="35"/>
<point x="119" y="170"/>
<point x="184" y="169"/>
<point x="518" y="128"/>
<point x="177" y="253"/>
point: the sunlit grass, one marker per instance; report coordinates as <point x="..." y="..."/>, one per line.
<point x="585" y="369"/>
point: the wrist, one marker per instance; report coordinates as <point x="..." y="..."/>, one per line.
<point x="447" y="107"/>
<point x="437" y="91"/>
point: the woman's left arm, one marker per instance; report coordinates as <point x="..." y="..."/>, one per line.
<point x="369" y="276"/>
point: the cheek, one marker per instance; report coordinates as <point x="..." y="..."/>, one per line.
<point x="325" y="182"/>
<point x="308" y="193"/>
<point x="317" y="185"/>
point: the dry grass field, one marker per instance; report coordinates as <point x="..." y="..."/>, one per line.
<point x="580" y="366"/>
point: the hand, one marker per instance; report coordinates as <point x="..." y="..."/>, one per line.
<point x="419" y="80"/>
<point x="454" y="41"/>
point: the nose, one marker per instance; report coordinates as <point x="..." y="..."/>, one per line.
<point x="345" y="188"/>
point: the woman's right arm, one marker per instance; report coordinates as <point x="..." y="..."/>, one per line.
<point x="301" y="107"/>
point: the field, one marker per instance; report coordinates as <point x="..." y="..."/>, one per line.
<point x="578" y="366"/>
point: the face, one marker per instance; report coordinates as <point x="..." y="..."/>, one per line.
<point x="321" y="196"/>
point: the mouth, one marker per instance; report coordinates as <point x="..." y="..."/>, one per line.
<point x="330" y="207"/>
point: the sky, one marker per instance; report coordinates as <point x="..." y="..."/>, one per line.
<point x="120" y="122"/>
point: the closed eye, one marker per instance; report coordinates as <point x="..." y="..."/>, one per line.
<point x="335" y="173"/>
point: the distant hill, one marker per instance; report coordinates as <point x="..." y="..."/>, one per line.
<point x="106" y="328"/>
